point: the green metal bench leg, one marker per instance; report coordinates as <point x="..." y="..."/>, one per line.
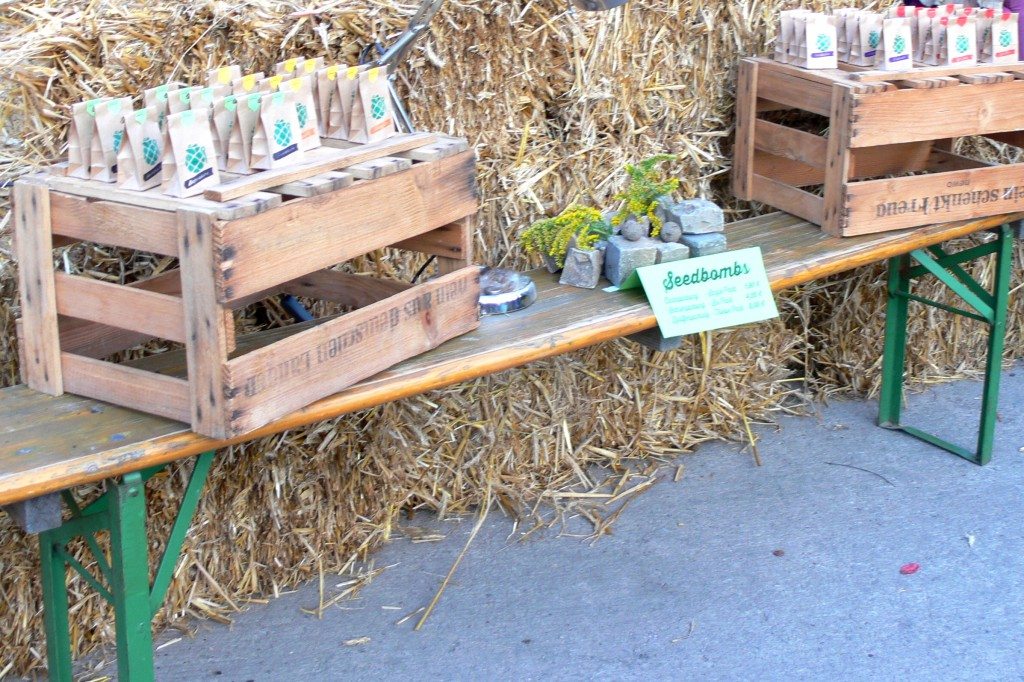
<point x="55" y="609"/>
<point x="988" y="307"/>
<point x="130" y="567"/>
<point x="124" y="579"/>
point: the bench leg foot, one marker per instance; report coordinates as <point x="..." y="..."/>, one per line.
<point x="124" y="579"/>
<point x="989" y="307"/>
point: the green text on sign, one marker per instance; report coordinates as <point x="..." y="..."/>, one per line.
<point x="711" y="292"/>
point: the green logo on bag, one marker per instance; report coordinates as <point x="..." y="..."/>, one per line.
<point x="962" y="44"/>
<point x="899" y="45"/>
<point x="1005" y="38"/>
<point x="150" y="151"/>
<point x="873" y="39"/>
<point x="303" y="114"/>
<point x="118" y="138"/>
<point x="824" y="42"/>
<point x="282" y="133"/>
<point x="195" y="158"/>
<point x="378" y="107"/>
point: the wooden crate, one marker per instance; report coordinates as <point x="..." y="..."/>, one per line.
<point x="880" y="124"/>
<point x="233" y="253"/>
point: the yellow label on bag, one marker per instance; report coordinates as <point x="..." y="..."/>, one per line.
<point x="352" y="72"/>
<point x="372" y="74"/>
<point x="224" y="75"/>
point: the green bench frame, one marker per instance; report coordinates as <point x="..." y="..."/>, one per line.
<point x="563" y="319"/>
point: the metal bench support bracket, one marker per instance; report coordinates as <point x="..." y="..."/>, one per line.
<point x="985" y="306"/>
<point x="123" y="574"/>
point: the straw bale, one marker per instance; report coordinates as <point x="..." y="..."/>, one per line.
<point x="554" y="104"/>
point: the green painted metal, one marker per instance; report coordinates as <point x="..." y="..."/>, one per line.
<point x="121" y="511"/>
<point x="129" y="557"/>
<point x="55" y="608"/>
<point x="992" y="310"/>
<point x="189" y="502"/>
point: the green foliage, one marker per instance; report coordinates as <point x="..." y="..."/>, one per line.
<point x="551" y="236"/>
<point x="646" y="184"/>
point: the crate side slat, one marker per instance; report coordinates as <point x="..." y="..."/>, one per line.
<point x="880" y="205"/>
<point x="276" y="379"/>
<point x="447" y="241"/>
<point x="919" y="72"/>
<point x="746" y="118"/>
<point x="347" y="289"/>
<point x="311" y="234"/>
<point x="317" y="161"/>
<point x="116" y="224"/>
<point x="900" y="115"/>
<point x="791" y="90"/>
<point x="114" y="305"/>
<point x="126" y="386"/>
<point x="790" y="143"/>
<point x="790" y="199"/>
<point x="242" y="207"/>
<point x="33" y="243"/>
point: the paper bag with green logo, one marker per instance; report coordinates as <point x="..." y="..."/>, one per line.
<point x="247" y="117"/>
<point x="346" y="90"/>
<point x="179" y="100"/>
<point x="247" y="84"/>
<point x="107" y="137"/>
<point x="958" y="41"/>
<point x="80" y="132"/>
<point x="371" y="112"/>
<point x="159" y="97"/>
<point x="997" y="37"/>
<point x="225" y="75"/>
<point x="224" y="117"/>
<point x="326" y="85"/>
<point x="897" y="49"/>
<point x="276" y="140"/>
<point x="189" y="166"/>
<point x="138" y="161"/>
<point x="301" y="88"/>
<point x="205" y="99"/>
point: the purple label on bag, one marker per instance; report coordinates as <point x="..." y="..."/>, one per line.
<point x="822" y="54"/>
<point x="153" y="171"/>
<point x="871" y="53"/>
<point x="196" y="179"/>
<point x="900" y="58"/>
<point x="281" y="153"/>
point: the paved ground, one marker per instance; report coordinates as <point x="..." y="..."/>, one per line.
<point x="690" y="585"/>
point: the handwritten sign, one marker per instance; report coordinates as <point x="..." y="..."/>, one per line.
<point x="711" y="292"/>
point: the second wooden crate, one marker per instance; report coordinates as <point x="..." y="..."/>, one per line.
<point x="886" y="161"/>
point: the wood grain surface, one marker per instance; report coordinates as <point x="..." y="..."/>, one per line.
<point x="48" y="444"/>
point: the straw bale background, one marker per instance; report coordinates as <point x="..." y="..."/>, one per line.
<point x="554" y="105"/>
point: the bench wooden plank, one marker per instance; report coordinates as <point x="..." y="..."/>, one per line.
<point x="48" y="444"/>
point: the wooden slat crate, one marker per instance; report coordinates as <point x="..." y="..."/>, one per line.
<point x="879" y="125"/>
<point x="233" y="253"/>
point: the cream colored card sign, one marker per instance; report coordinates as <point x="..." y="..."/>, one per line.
<point x="711" y="292"/>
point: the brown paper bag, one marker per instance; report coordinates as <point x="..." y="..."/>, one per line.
<point x="290" y="68"/>
<point x="158" y="97"/>
<point x="224" y="116"/>
<point x="107" y="138"/>
<point x="372" y="118"/>
<point x="179" y="100"/>
<point x="80" y="133"/>
<point x="247" y="116"/>
<point x="301" y="88"/>
<point x="189" y="166"/>
<point x="271" y="84"/>
<point x="276" y="141"/>
<point x="247" y="84"/>
<point x="205" y="97"/>
<point x="225" y="75"/>
<point x="325" y="87"/>
<point x="346" y="88"/>
<point x="139" y="160"/>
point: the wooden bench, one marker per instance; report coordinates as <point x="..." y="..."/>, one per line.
<point x="51" y="444"/>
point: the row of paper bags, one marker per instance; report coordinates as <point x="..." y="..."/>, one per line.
<point x="945" y="35"/>
<point x="184" y="136"/>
